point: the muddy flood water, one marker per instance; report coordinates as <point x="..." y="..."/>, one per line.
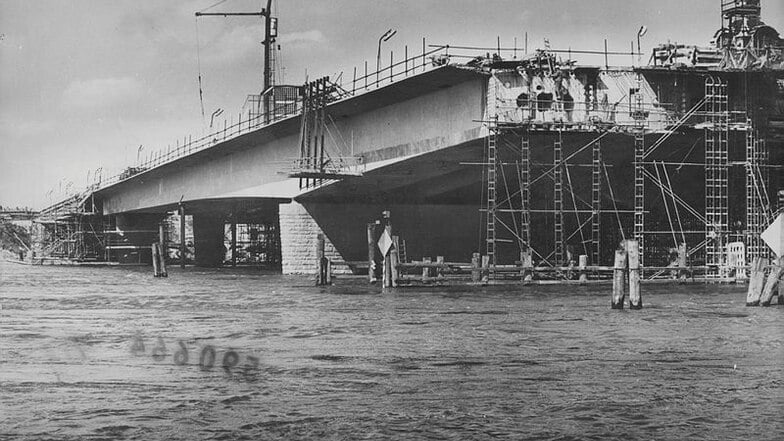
<point x="113" y="353"/>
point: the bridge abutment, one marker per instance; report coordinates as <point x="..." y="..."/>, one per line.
<point x="298" y="234"/>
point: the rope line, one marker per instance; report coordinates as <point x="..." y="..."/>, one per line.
<point x="198" y="64"/>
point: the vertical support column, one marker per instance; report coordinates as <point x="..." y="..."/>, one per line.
<point x="716" y="174"/>
<point x="155" y="252"/>
<point x="305" y="132"/>
<point x="756" y="183"/>
<point x="773" y="282"/>
<point x="233" y="241"/>
<point x="162" y="240"/>
<point x="752" y="250"/>
<point x="723" y="184"/>
<point x="371" y="241"/>
<point x="619" y="279"/>
<point x="639" y="169"/>
<point x="183" y="248"/>
<point x="396" y="259"/>
<point x="639" y="188"/>
<point x="389" y="280"/>
<point x="526" y="265"/>
<point x="324" y="267"/>
<point x="596" y="202"/>
<point x="682" y="261"/>
<point x="756" y="281"/>
<point x="525" y="191"/>
<point x="635" y="272"/>
<point x="558" y="200"/>
<point x="491" y="194"/>
<point x="476" y="272"/>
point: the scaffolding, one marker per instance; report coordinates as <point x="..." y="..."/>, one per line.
<point x="252" y="243"/>
<point x="706" y="231"/>
<point x="525" y="191"/>
<point x="70" y="230"/>
<point x="558" y="165"/>
<point x="315" y="165"/>
<point x="596" y="201"/>
<point x="639" y="168"/>
<point x="492" y="176"/>
<point x="716" y="173"/>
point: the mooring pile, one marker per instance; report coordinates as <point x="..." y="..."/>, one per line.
<point x="761" y="288"/>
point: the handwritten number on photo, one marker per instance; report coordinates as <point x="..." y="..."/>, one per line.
<point x="207" y="358"/>
<point x="181" y="356"/>
<point x="159" y="351"/>
<point x="137" y="347"/>
<point x="230" y="359"/>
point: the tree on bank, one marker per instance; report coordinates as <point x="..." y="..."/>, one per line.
<point x="11" y="234"/>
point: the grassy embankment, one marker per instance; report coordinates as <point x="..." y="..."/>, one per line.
<point x="9" y="244"/>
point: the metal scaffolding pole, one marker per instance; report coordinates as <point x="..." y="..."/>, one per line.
<point x="596" y="201"/>
<point x="558" y="200"/>
<point x="753" y="241"/>
<point x="716" y="173"/>
<point x="525" y="190"/>
<point x="490" y="238"/>
<point x="639" y="169"/>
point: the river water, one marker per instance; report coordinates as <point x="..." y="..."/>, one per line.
<point x="100" y="353"/>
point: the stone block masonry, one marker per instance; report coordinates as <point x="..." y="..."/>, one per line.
<point x="298" y="233"/>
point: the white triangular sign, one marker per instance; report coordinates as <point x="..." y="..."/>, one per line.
<point x="385" y="243"/>
<point x="774" y="236"/>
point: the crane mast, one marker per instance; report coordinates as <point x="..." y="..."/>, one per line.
<point x="270" y="34"/>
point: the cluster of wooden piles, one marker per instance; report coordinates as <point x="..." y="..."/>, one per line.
<point x="762" y="289"/>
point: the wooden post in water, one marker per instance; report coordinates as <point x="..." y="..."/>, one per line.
<point x="162" y="239"/>
<point x="756" y="281"/>
<point x="527" y="264"/>
<point x="583" y="264"/>
<point x="162" y="262"/>
<point x="619" y="280"/>
<point x="319" y="259"/>
<point x="324" y="266"/>
<point x="773" y="282"/>
<point x="426" y="269"/>
<point x="476" y="272"/>
<point x="396" y="273"/>
<point x="781" y="288"/>
<point x="781" y="262"/>
<point x="635" y="298"/>
<point x="385" y="215"/>
<point x="682" y="261"/>
<point x="393" y="261"/>
<point x="154" y="252"/>
<point x="371" y="237"/>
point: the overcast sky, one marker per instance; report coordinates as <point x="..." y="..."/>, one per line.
<point x="84" y="83"/>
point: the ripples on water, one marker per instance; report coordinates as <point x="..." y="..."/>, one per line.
<point x="348" y="362"/>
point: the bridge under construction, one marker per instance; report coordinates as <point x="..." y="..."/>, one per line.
<point x="523" y="157"/>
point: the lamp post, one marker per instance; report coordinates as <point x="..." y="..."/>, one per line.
<point x="640" y="34"/>
<point x="387" y="35"/>
<point x="217" y="112"/>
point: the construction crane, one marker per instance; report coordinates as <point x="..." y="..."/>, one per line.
<point x="270" y="34"/>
